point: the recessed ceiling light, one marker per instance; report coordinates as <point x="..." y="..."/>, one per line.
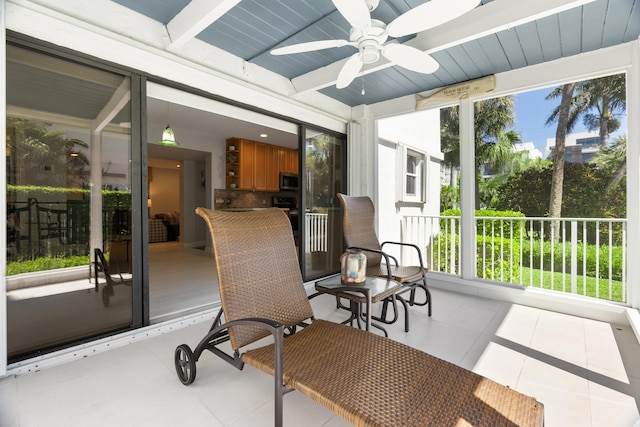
<point x="178" y="165"/>
<point x="263" y="135"/>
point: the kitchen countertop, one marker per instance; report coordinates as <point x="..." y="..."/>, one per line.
<point x="240" y="209"/>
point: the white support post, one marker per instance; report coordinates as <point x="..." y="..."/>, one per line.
<point x="467" y="191"/>
<point x="633" y="178"/>
<point x="362" y="154"/>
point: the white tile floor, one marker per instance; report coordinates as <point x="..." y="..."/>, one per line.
<point x="587" y="373"/>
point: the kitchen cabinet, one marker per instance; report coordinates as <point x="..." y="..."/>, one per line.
<point x="242" y="160"/>
<point x="252" y="165"/>
<point x="288" y="160"/>
<point x="273" y="171"/>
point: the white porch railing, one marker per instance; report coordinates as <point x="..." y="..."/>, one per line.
<point x="315" y="232"/>
<point x="582" y="256"/>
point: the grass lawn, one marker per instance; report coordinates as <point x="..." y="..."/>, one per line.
<point x="612" y="291"/>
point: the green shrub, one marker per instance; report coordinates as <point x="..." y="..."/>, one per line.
<point x="496" y="227"/>
<point x="45" y="263"/>
<point x="591" y="251"/>
<point x="497" y="258"/>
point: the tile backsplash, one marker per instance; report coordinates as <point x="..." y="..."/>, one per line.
<point x="225" y="199"/>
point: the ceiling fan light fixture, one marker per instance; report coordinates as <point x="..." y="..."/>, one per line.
<point x="168" y="138"/>
<point x="369" y="52"/>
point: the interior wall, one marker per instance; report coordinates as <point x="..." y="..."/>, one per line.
<point x="194" y="194"/>
<point x="164" y="191"/>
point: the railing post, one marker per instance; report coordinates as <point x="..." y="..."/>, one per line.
<point x="574" y="257"/>
<point x="452" y="267"/>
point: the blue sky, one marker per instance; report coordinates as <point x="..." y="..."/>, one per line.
<point x="532" y="111"/>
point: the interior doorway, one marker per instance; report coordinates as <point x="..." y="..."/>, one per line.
<point x="180" y="271"/>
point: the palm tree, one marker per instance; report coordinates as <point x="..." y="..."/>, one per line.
<point x="597" y="102"/>
<point x="563" y="116"/>
<point x="493" y="139"/>
<point x="39" y="151"/>
<point x="606" y="96"/>
<point x="613" y="161"/>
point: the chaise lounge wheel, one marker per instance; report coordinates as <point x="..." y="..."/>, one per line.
<point x="185" y="362"/>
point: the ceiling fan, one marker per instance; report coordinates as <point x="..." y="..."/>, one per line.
<point x="370" y="35"/>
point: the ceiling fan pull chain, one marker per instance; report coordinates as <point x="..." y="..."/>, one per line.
<point x="362" y="92"/>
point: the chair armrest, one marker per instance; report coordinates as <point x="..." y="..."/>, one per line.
<point x="384" y="254"/>
<point x="408" y="245"/>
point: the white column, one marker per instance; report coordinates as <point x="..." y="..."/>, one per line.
<point x="467" y="191"/>
<point x="633" y="178"/>
<point x="362" y="154"/>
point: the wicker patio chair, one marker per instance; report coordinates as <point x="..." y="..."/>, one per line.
<point x="358" y="216"/>
<point x="367" y="379"/>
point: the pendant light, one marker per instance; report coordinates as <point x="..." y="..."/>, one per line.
<point x="168" y="138"/>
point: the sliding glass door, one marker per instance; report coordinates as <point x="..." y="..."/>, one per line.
<point x="324" y="177"/>
<point x="69" y="187"/>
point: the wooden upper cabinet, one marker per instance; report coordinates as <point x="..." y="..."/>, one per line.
<point x="288" y="160"/>
<point x="293" y="161"/>
<point x="247" y="149"/>
<point x="259" y="167"/>
<point x="252" y="165"/>
<point x="273" y="171"/>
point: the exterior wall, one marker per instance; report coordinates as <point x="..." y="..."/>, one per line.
<point x="419" y="131"/>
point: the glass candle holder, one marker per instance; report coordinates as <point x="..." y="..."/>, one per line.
<point x="353" y="267"/>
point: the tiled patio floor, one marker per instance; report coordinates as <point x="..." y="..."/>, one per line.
<point x="585" y="372"/>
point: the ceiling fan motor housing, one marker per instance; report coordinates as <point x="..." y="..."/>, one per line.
<point x="370" y="40"/>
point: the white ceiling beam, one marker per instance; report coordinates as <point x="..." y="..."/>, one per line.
<point x="118" y="101"/>
<point x="195" y="17"/>
<point x="491" y="18"/>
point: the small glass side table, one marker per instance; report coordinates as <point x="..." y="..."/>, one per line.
<point x="372" y="290"/>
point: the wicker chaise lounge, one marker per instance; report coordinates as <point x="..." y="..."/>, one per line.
<point x="367" y="379"/>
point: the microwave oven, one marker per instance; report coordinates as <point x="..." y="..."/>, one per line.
<point x="288" y="181"/>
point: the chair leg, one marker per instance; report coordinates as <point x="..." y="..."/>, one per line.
<point x="406" y="312"/>
<point x="383" y="314"/>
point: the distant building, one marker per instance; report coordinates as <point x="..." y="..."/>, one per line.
<point x="530" y="150"/>
<point x="579" y="147"/>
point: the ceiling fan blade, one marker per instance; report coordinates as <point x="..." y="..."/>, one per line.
<point x="309" y="46"/>
<point x="410" y="58"/>
<point x="429" y="15"/>
<point x="355" y="12"/>
<point x="349" y="71"/>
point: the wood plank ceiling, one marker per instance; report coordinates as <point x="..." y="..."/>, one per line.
<point x="497" y="36"/>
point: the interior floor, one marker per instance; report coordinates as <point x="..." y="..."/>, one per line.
<point x="182" y="280"/>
